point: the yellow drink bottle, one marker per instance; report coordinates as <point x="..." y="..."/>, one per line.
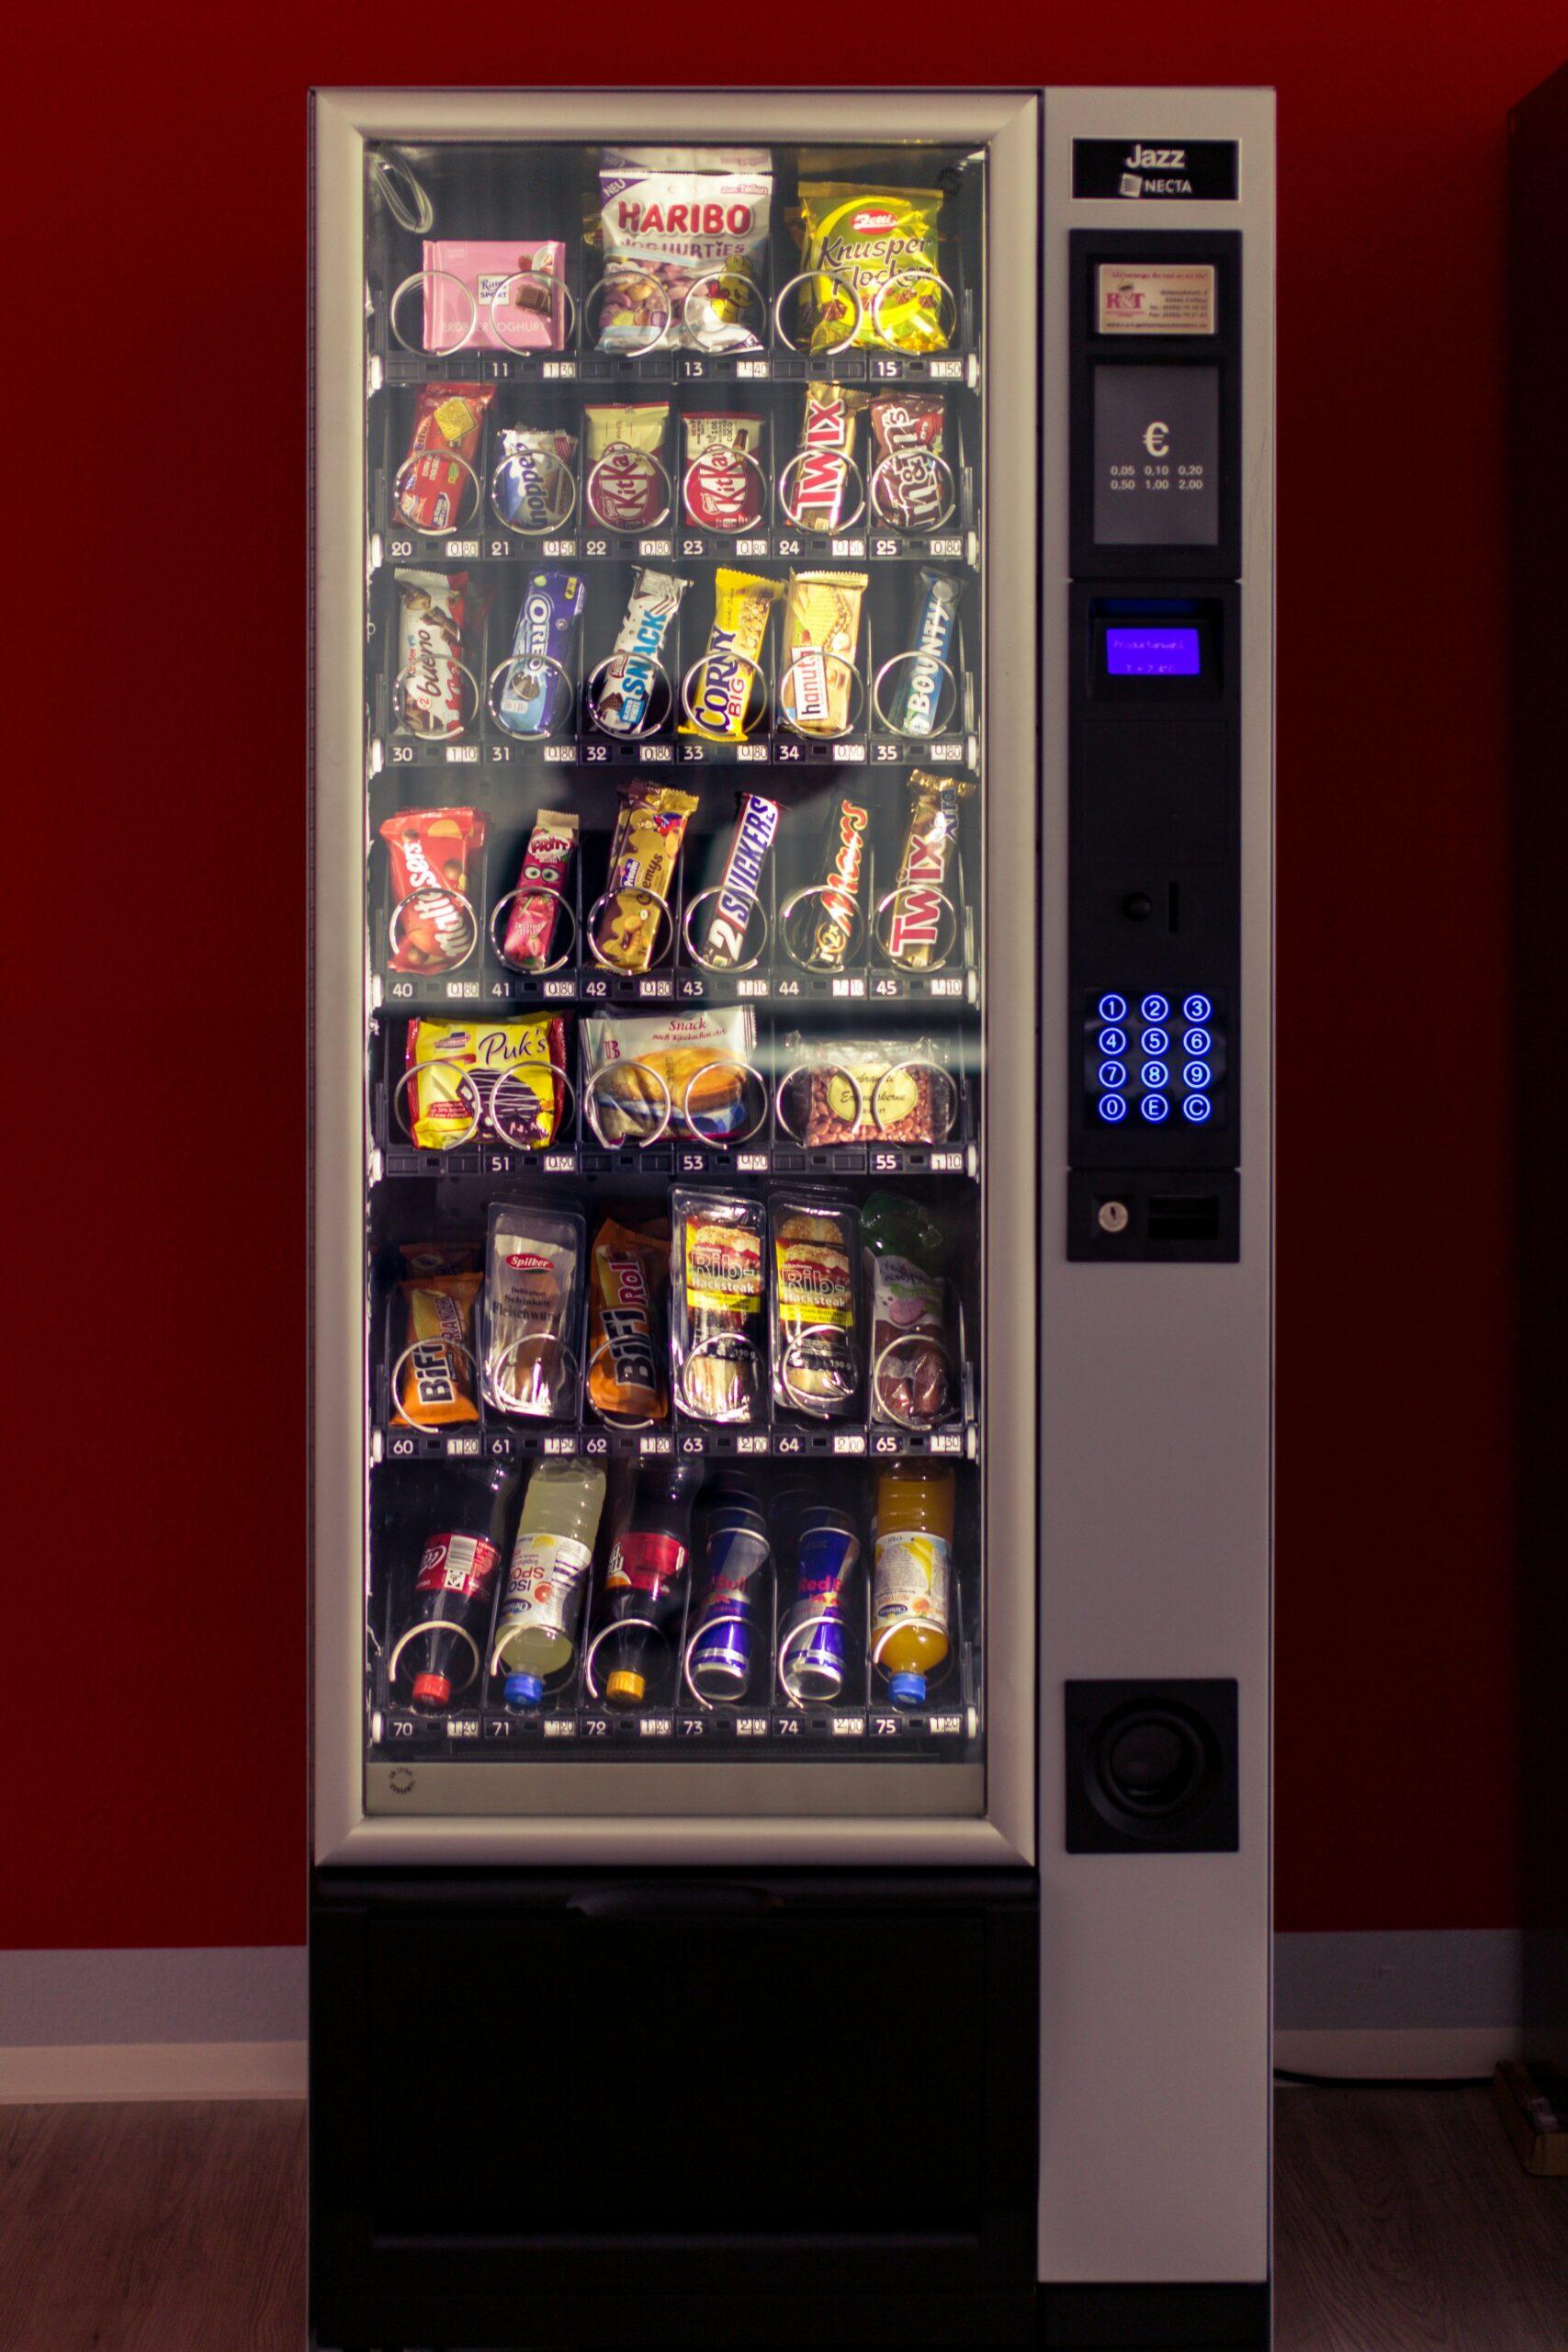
<point x="912" y="1579"/>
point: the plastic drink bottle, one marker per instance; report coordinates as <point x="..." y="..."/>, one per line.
<point x="734" y="1557"/>
<point x="541" y="1602"/>
<point x="448" y="1613"/>
<point x="645" y="1583"/>
<point x="912" y="1577"/>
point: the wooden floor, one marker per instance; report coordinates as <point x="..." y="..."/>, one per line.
<point x="1403" y="2221"/>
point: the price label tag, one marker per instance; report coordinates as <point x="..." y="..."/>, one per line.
<point x="461" y="1449"/>
<point x="560" y="1728"/>
<point x="463" y="754"/>
<point x="751" y="1441"/>
<point x="948" y="371"/>
<point x="947" y="1442"/>
<point x="560" y="1445"/>
<point x="944" y="1726"/>
<point x="757" y="369"/>
<point x="560" y="1163"/>
<point x="849" y="1727"/>
<point x="654" y="547"/>
<point x="751" y="1726"/>
<point x="558" y="370"/>
<point x="848" y="1440"/>
<point x="560" y="752"/>
<point x="654" y="986"/>
<point x="656" y="1726"/>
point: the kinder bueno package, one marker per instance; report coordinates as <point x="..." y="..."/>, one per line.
<point x="672" y="217"/>
<point x="532" y="317"/>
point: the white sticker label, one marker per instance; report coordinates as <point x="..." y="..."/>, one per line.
<point x="1168" y="297"/>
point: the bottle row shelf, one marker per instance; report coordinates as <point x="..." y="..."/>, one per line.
<point x="844" y="1442"/>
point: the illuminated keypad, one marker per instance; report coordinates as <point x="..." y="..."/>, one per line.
<point x="1154" y="1059"/>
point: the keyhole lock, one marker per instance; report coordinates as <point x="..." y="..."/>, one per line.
<point x="1113" y="1217"/>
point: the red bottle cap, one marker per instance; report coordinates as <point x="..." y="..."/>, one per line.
<point x="432" y="1690"/>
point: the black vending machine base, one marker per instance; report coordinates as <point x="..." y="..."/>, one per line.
<point x="760" y="2108"/>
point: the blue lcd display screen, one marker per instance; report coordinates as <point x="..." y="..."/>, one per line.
<point x="1148" y="652"/>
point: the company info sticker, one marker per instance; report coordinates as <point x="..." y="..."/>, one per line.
<point x="1173" y="298"/>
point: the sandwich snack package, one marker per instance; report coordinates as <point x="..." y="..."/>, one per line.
<point x="914" y="1379"/>
<point x="816" y="1351"/>
<point x="627" y="1350"/>
<point x="819" y="690"/>
<point x="635" y="917"/>
<point x="432" y="855"/>
<point x="881" y="243"/>
<point x="470" y="1075"/>
<point x="684" y="231"/>
<point x="533" y="1307"/>
<point x="846" y="1090"/>
<point x="434" y="489"/>
<point x="644" y="1073"/>
<point x="717" y="1306"/>
<point x="432" y="697"/>
<point x="533" y="919"/>
<point x="730" y="695"/>
<point x="435" y="1371"/>
<point x="505" y="307"/>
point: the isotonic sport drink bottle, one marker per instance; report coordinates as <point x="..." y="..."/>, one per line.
<point x="541" y="1603"/>
<point x="645" y="1583"/>
<point x="912" y="1577"/>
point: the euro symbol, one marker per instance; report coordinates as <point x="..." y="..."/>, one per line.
<point x="1156" y="440"/>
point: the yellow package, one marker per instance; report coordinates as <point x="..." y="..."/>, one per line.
<point x="628" y="1279"/>
<point x="730" y="684"/>
<point x="881" y="242"/>
<point x="461" y="1065"/>
<point x="436" y="1377"/>
<point x="821" y="630"/>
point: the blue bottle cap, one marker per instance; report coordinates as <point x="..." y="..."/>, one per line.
<point x="524" y="1689"/>
<point x="908" y="1689"/>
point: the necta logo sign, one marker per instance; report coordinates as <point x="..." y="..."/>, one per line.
<point x="1207" y="170"/>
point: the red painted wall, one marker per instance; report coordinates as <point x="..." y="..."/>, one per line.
<point x="157" y="1709"/>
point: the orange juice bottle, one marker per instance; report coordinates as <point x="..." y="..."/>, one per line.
<point x="912" y="1579"/>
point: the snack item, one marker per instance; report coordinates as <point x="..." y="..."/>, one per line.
<point x="731" y="681"/>
<point x="739" y="886"/>
<point x="922" y="690"/>
<point x="717" y="1313"/>
<point x="817" y="486"/>
<point x="867" y="1089"/>
<point x="434" y="928"/>
<point x="821" y="632"/>
<point x="918" y="922"/>
<point x="433" y="695"/>
<point x="625" y="487"/>
<point x="627" y="1281"/>
<point x="532" y="317"/>
<point x="532" y="918"/>
<point x="686" y="1067"/>
<point x="912" y="1376"/>
<point x="436" y="1382"/>
<point x="721" y="483"/>
<point x="670" y="217"/>
<point x="648" y="832"/>
<point x="831" y="912"/>
<point x="881" y="242"/>
<point x="432" y="490"/>
<point x="815" y="1341"/>
<point x="532" y="1302"/>
<point x="533" y="698"/>
<point x="532" y="483"/>
<point x="525" y="1059"/>
<point x="622" y="692"/>
<point x="909" y="489"/>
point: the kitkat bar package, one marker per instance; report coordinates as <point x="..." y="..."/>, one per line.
<point x="684" y="232"/>
<point x="532" y="317"/>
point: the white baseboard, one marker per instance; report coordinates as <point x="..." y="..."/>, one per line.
<point x="1392" y="2054"/>
<point x="152" y="2070"/>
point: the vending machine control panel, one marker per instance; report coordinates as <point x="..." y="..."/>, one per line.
<point x="1153" y="745"/>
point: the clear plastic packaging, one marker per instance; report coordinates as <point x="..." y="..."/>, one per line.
<point x="533" y="1305"/>
<point x="717" y="1304"/>
<point x="819" y="1359"/>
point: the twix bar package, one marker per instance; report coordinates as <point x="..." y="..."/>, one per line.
<point x="917" y="921"/>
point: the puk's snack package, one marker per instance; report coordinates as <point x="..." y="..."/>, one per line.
<point x="534" y="916"/>
<point x="832" y="916"/>
<point x="435" y="1367"/>
<point x="532" y="484"/>
<point x="727" y="688"/>
<point x="817" y="494"/>
<point x="731" y="912"/>
<point x="881" y="242"/>
<point x="532" y="1305"/>
<point x="917" y="921"/>
<point x="433" y="493"/>
<point x="533" y="697"/>
<point x="821" y="631"/>
<point x="867" y="1089"/>
<point x="913" y="1376"/>
<point x="648" y="832"/>
<point x="717" y="1304"/>
<point x="460" y="1063"/>
<point x="623" y="698"/>
<point x="625" y="485"/>
<point x="909" y="491"/>
<point x="669" y="216"/>
<point x="433" y="695"/>
<point x="532" y="317"/>
<point x="643" y="1072"/>
<point x="432" y="852"/>
<point x="721" y="482"/>
<point x="816" y="1298"/>
<point x="627" y="1350"/>
<point x="922" y="690"/>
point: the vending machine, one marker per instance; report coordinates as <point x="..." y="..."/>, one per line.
<point x="791" y="799"/>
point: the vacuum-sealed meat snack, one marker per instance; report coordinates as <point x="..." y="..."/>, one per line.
<point x="534" y="917"/>
<point x="432" y="698"/>
<point x="434" y="486"/>
<point x="913" y="1375"/>
<point x="531" y="481"/>
<point x="530" y="316"/>
<point x="644" y="1071"/>
<point x="506" y="1074"/>
<point x="721" y="485"/>
<point x="729" y="691"/>
<point x="535" y="695"/>
<point x="432" y="851"/>
<point x="718" y="1317"/>
<point x="635" y="914"/>
<point x="627" y="690"/>
<point x="882" y="242"/>
<point x="817" y="676"/>
<point x="625" y="487"/>
<point x="434" y="1374"/>
<point x="533" y="1301"/>
<point x="919" y="927"/>
<point x="816" y="1298"/>
<point x="628" y="1352"/>
<point x="679" y="218"/>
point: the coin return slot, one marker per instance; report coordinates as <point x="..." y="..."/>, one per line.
<point x="1184" y="1216"/>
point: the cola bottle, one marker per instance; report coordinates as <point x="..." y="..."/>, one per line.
<point x="645" y="1584"/>
<point x="441" y="1641"/>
